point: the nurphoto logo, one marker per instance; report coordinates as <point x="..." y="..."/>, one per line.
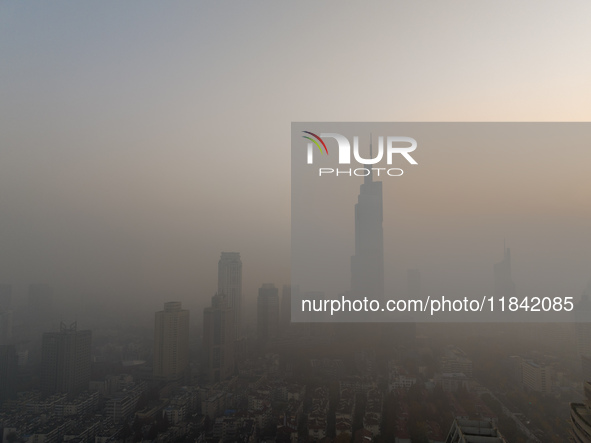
<point x="394" y="145"/>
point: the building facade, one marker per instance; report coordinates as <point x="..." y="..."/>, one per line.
<point x="65" y="360"/>
<point x="504" y="286"/>
<point x="230" y="284"/>
<point x="580" y="417"/>
<point x="467" y="431"/>
<point x="171" y="342"/>
<point x="219" y="344"/>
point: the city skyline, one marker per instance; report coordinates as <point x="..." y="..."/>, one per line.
<point x="220" y="367"/>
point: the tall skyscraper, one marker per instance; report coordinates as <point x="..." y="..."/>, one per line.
<point x="230" y="284"/>
<point x="65" y="360"/>
<point x="367" y="265"/>
<point x="171" y="342"/>
<point x="219" y="344"/>
<point x="504" y="286"/>
<point x="267" y="312"/>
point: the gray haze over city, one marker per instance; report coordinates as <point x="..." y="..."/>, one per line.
<point x="145" y="166"/>
<point x="140" y="142"/>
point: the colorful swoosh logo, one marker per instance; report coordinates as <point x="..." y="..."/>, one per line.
<point x="315" y="142"/>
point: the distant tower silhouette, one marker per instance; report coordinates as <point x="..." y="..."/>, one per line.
<point x="230" y="284"/>
<point x="367" y="265"/>
<point x="219" y="333"/>
<point x="65" y="365"/>
<point x="171" y="342"/>
<point x="504" y="286"/>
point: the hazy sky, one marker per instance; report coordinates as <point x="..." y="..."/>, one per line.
<point x="138" y="140"/>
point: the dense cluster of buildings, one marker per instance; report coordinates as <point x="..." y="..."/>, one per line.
<point x="240" y="389"/>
